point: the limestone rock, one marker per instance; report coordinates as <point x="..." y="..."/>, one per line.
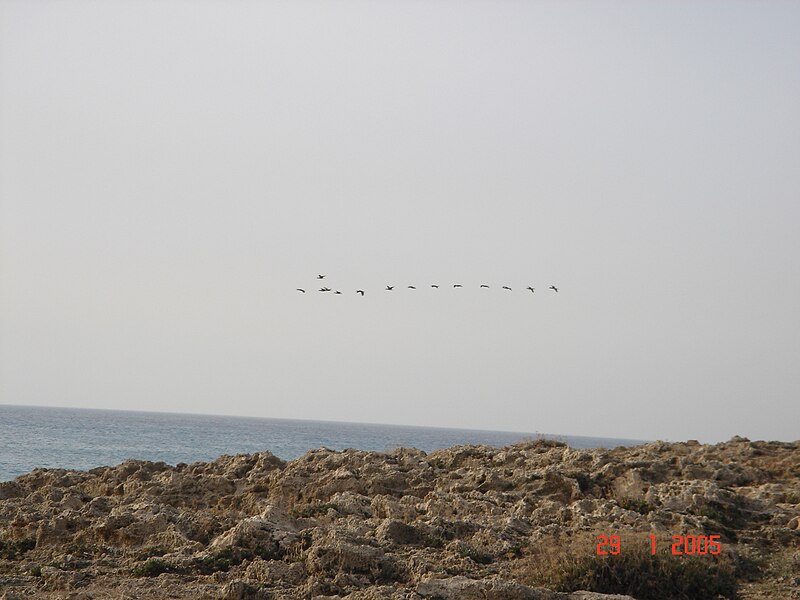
<point x="405" y="524"/>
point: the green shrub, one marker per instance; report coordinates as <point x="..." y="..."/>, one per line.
<point x="482" y="558"/>
<point x="730" y="516"/>
<point x="312" y="510"/>
<point x="213" y="563"/>
<point x="727" y="519"/>
<point x="152" y="567"/>
<point x="11" y="549"/>
<point x="224" y="559"/>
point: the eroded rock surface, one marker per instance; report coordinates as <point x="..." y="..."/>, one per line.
<point x="454" y="523"/>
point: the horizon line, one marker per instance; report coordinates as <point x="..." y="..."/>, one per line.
<point x="231" y="416"/>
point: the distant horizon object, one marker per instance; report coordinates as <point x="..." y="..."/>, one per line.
<point x="554" y="288"/>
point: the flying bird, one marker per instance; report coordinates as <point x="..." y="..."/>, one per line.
<point x="530" y="288"/>
<point x="484" y="285"/>
<point x="505" y="287"/>
<point x="455" y="285"/>
<point x="435" y="286"/>
<point x="301" y="290"/>
<point x="554" y="288"/>
<point x="337" y="292"/>
<point x="324" y="289"/>
<point x="320" y="276"/>
<point x="389" y="288"/>
<point x="411" y="287"/>
<point x="360" y="292"/>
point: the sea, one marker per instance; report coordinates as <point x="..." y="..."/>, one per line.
<point x="72" y="438"/>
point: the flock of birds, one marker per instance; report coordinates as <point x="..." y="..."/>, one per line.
<point x="389" y="288"/>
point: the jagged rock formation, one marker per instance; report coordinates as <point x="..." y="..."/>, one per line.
<point x="458" y="523"/>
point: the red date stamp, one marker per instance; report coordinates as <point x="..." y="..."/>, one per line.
<point x="681" y="545"/>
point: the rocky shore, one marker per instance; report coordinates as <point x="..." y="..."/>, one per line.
<point x="469" y="522"/>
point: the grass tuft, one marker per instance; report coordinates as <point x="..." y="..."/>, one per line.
<point x="573" y="564"/>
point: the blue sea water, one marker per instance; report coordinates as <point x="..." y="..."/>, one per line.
<point x="70" y="438"/>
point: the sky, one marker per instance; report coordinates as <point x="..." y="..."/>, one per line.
<point x="171" y="172"/>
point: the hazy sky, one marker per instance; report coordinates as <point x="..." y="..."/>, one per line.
<point x="171" y="171"/>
